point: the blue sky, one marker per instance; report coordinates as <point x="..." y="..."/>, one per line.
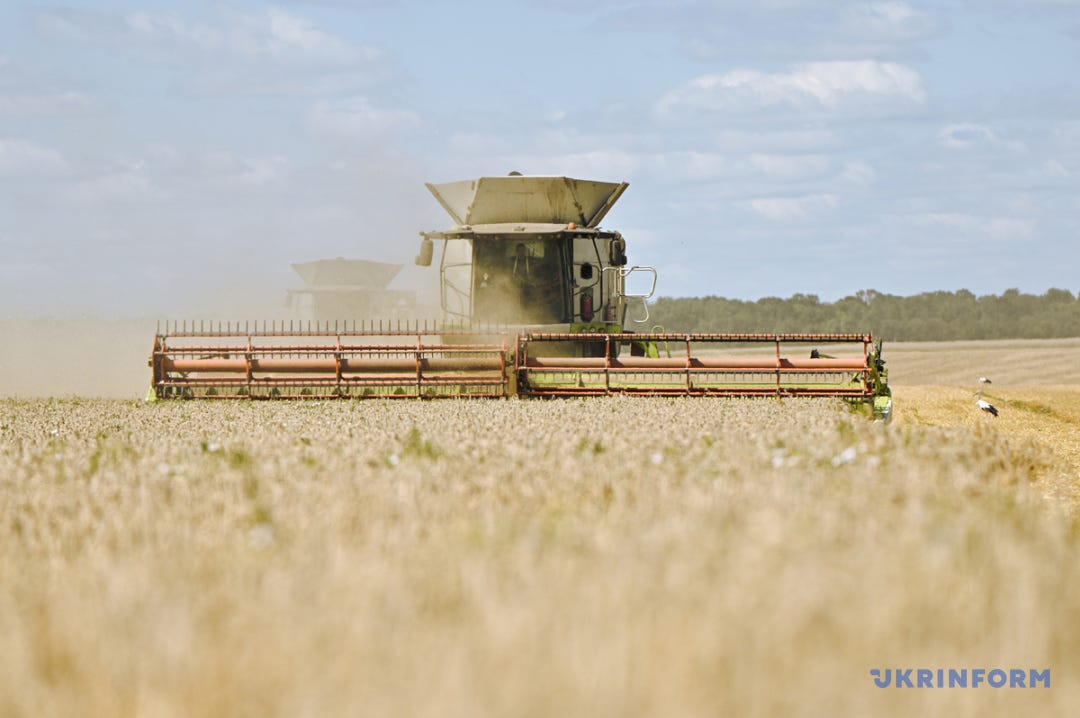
<point x="166" y="157"/>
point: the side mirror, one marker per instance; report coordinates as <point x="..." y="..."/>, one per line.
<point x="427" y="251"/>
<point x="586" y="271"/>
<point x="618" y="253"/>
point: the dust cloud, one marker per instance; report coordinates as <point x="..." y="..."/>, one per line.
<point x="107" y="358"/>
<point x="75" y="357"/>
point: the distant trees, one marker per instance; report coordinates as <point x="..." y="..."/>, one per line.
<point x="931" y="316"/>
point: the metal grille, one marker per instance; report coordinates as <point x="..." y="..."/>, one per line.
<point x="294" y="360"/>
<point x="695" y="366"/>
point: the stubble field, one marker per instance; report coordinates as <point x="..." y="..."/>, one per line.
<point x="590" y="557"/>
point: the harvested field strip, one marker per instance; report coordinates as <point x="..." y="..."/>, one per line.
<point x="1048" y="416"/>
<point x="1012" y="362"/>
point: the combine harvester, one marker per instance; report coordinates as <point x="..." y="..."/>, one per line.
<point x="535" y="302"/>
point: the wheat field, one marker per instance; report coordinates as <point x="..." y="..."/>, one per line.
<point x="585" y="557"/>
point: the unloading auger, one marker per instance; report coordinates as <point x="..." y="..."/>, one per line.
<point x="535" y="302"/>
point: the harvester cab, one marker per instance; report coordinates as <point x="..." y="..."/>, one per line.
<point x="536" y="301"/>
<point x="528" y="252"/>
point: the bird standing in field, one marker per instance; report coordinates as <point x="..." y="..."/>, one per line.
<point x="984" y="380"/>
<point x="984" y="405"/>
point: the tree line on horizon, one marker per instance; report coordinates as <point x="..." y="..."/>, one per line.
<point x="930" y="316"/>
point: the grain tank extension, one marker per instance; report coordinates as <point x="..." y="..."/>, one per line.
<point x="537" y="300"/>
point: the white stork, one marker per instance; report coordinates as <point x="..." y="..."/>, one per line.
<point x="984" y="380"/>
<point x="984" y="405"/>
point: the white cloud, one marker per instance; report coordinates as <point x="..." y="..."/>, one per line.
<point x="1051" y="170"/>
<point x="353" y="4"/>
<point x="271" y="34"/>
<point x="893" y="21"/>
<point x="858" y="173"/>
<point x="789" y="166"/>
<point x="967" y="135"/>
<point x="129" y="183"/>
<point x="1052" y="3"/>
<point x="1000" y="228"/>
<point x="359" y="118"/>
<point x="24" y="92"/>
<point x="290" y="38"/>
<point x="170" y="28"/>
<point x="20" y="157"/>
<point x="229" y="170"/>
<point x="268" y="34"/>
<point x="839" y="86"/>
<point x="796" y="140"/>
<point x="1067" y="134"/>
<point x="43" y="103"/>
<point x="685" y="165"/>
<point x="677" y="166"/>
<point x="789" y="208"/>
<point x="638" y="158"/>
<point x="477" y="144"/>
<point x="164" y="171"/>
<point x="1048" y="175"/>
<point x="715" y="30"/>
<point x="604" y="164"/>
<point x="289" y="33"/>
<point x="66" y="23"/>
<point x="887" y="14"/>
